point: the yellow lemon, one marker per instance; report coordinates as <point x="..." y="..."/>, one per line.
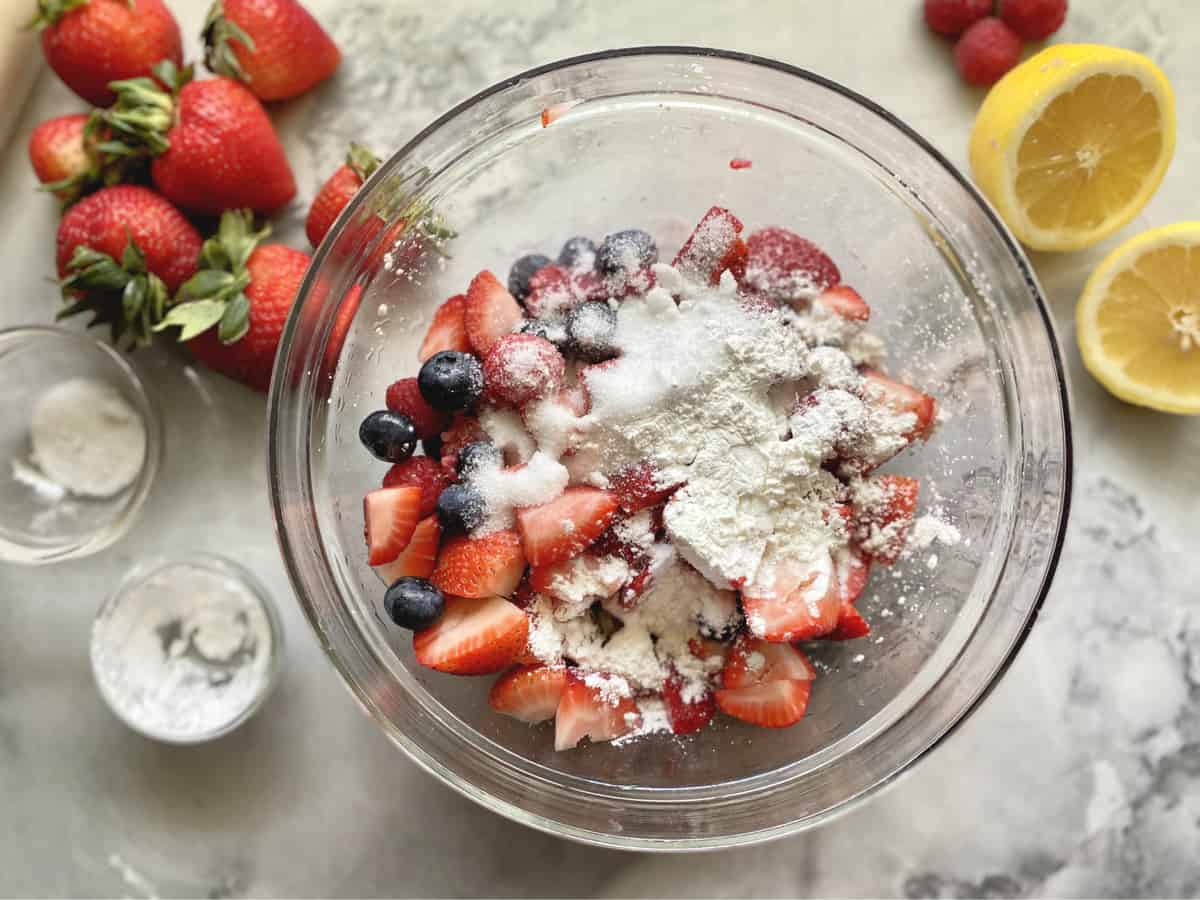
<point x="1071" y="144"/>
<point x="1138" y="320"/>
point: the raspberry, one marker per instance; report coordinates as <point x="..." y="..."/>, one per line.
<point x="953" y="17"/>
<point x="423" y="472"/>
<point x="522" y="367"/>
<point x="1033" y="20"/>
<point x="987" y="50"/>
<point x="404" y="397"/>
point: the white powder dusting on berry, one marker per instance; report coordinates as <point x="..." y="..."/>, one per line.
<point x="507" y="431"/>
<point x="539" y="481"/>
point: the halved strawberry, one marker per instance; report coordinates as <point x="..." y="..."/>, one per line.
<point x="902" y="398"/>
<point x="449" y="329"/>
<point x="846" y="302"/>
<point x="391" y="516"/>
<point x="784" y="266"/>
<point x="561" y="581"/>
<point x="752" y="661"/>
<point x="712" y="247"/>
<point x="776" y="704"/>
<point x="883" y="513"/>
<point x="584" y="712"/>
<point x="850" y="625"/>
<point x="404" y="397"/>
<point x="852" y="569"/>
<point x="473" y="637"/>
<point x="792" y="600"/>
<point x="566" y="525"/>
<point x="491" y="311"/>
<point x="421" y="472"/>
<point x="529" y="693"/>
<point x="489" y="566"/>
<point x="709" y="649"/>
<point x="639" y="486"/>
<point x="686" y="717"/>
<point x="418" y="558"/>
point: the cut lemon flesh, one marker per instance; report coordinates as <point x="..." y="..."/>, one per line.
<point x="1071" y="144"/>
<point x="1138" y="320"/>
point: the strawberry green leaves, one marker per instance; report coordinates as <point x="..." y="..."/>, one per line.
<point x="123" y="295"/>
<point x="218" y="35"/>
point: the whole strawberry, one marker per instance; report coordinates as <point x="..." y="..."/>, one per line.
<point x="89" y="43"/>
<point x="232" y="312"/>
<point x="212" y="144"/>
<point x="59" y="157"/>
<point x="274" y="46"/>
<point x="121" y="253"/>
<point x="335" y="193"/>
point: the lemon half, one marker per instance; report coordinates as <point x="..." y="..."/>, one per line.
<point x="1138" y="320"/>
<point x="1071" y="144"/>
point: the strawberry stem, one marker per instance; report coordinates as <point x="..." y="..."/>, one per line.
<point x="216" y="294"/>
<point x="50" y="11"/>
<point x="122" y="295"/>
<point x="218" y="35"/>
<point x="362" y="161"/>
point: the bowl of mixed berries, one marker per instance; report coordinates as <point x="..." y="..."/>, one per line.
<point x="669" y="447"/>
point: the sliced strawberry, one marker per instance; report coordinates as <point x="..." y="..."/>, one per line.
<point x="776" y="704"/>
<point x="850" y="625"/>
<point x="491" y="311"/>
<point x="686" y="717"/>
<point x="552" y="291"/>
<point x="404" y="397"/>
<point x="784" y="266"/>
<point x="589" y="285"/>
<point x="521" y="368"/>
<point x="463" y="430"/>
<point x="449" y="329"/>
<point x="752" y="661"/>
<point x="391" y="516"/>
<point x="852" y="572"/>
<point x="708" y="649"/>
<point x="418" y="558"/>
<point x="489" y="566"/>
<point x="585" y="573"/>
<point x="883" y="514"/>
<point x="529" y="693"/>
<point x="473" y="637"/>
<point x="711" y="247"/>
<point x="584" y="712"/>
<point x="524" y="594"/>
<point x="901" y="398"/>
<point x="846" y="302"/>
<point x="792" y="600"/>
<point x="638" y="487"/>
<point x="421" y="472"/>
<point x="566" y="525"/>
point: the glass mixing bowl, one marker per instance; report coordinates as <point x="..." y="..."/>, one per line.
<point x="647" y="143"/>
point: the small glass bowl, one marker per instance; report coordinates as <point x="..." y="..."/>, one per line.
<point x="163" y="626"/>
<point x="40" y="522"/>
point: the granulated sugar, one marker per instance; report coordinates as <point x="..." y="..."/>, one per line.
<point x="184" y="653"/>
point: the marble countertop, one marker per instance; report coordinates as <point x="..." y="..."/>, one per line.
<point x="1080" y="776"/>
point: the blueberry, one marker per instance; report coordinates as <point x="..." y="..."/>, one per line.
<point x="460" y="508"/>
<point x="451" y="380"/>
<point x="524" y="269"/>
<point x="432" y="446"/>
<point x="578" y="253"/>
<point x="553" y="330"/>
<point x="477" y="455"/>
<point x="626" y="251"/>
<point x="390" y="436"/>
<point x="591" y="328"/>
<point x="413" y="603"/>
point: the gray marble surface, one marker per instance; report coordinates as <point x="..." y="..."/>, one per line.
<point x="1080" y="776"/>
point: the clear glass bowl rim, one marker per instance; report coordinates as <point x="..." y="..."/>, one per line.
<point x="431" y="764"/>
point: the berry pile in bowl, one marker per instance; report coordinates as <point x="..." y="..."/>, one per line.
<point x="641" y="485"/>
<point x="700" y="499"/>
